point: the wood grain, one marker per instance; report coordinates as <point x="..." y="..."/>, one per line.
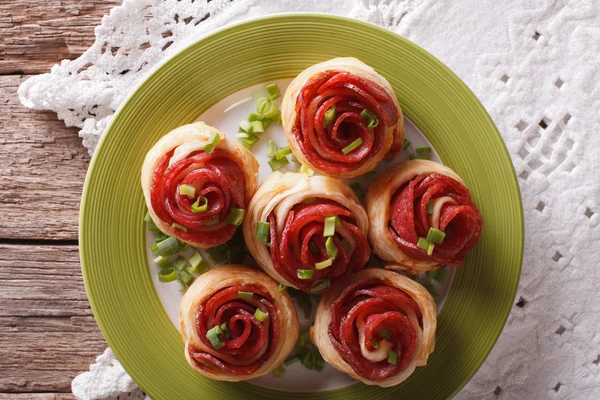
<point x="34" y="35"/>
<point x="47" y="330"/>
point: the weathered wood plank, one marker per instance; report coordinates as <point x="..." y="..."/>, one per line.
<point x="34" y="35"/>
<point x="47" y="330"/>
<point x="42" y="170"/>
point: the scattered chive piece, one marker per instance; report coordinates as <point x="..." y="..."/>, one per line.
<point x="245" y="126"/>
<point x="313" y="360"/>
<point x="261" y="105"/>
<point x="180" y="263"/>
<point x="430" y="207"/>
<point x="329" y="116"/>
<point x="255" y="117"/>
<point x="246" y="144"/>
<point x="273" y="91"/>
<point x="277" y="164"/>
<point x="420" y="157"/>
<point x="281" y="287"/>
<point x="266" y="122"/>
<point x="217" y="254"/>
<point x="369" y="118"/>
<point x="305" y="169"/>
<point x="374" y="343"/>
<point x="213" y="221"/>
<point x="257" y="127"/>
<point x="224" y="327"/>
<point x="160" y="238"/>
<point x="259" y="315"/>
<point x="303" y="339"/>
<point x="309" y="200"/>
<point x="352" y="146"/>
<point x="175" y="225"/>
<point x="320" y="284"/>
<point x="330" y="224"/>
<point x="385" y="333"/>
<point x="214" y="336"/>
<point x="186" y="278"/>
<point x="430" y="249"/>
<point x="269" y="109"/>
<point x="154" y="248"/>
<point x="406" y="144"/>
<point x="305" y="273"/>
<point x="162" y="261"/>
<point x="152" y="227"/>
<point x="290" y="360"/>
<point x="358" y="190"/>
<point x="247" y="137"/>
<point x="272" y="149"/>
<point x="167" y="275"/>
<point x="438" y="275"/>
<point x="279" y="372"/>
<point x="244" y="295"/>
<point x="324" y="264"/>
<point x="331" y="248"/>
<point x="294" y="159"/>
<point x="392" y="357"/>
<point x="235" y="254"/>
<point x="168" y="247"/>
<point x="236" y="216"/>
<point x="148" y="218"/>
<point x="195" y="260"/>
<point x="423" y="149"/>
<point x="422" y="243"/>
<point x="197" y="207"/>
<point x="262" y="232"/>
<point x="435" y="236"/>
<point x="282" y="152"/>
<point x="197" y="269"/>
<point x="213" y="142"/>
<point x="187" y="190"/>
<point x="277" y="117"/>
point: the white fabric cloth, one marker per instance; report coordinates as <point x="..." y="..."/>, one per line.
<point x="534" y="65"/>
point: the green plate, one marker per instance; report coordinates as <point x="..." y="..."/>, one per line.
<point x="113" y="254"/>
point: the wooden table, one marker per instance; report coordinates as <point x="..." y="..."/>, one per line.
<point x="48" y="334"/>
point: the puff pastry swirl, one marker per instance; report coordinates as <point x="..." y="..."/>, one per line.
<point x="249" y="347"/>
<point x="397" y="204"/>
<point x="368" y="315"/>
<point x="227" y="178"/>
<point x="295" y="207"/>
<point x="346" y="87"/>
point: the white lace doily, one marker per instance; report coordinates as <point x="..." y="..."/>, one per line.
<point x="536" y="68"/>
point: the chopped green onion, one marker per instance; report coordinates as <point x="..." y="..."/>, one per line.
<point x="324" y="264"/>
<point x="175" y="225"/>
<point x="422" y="243"/>
<point x="313" y="360"/>
<point x="266" y="122"/>
<point x="261" y="105"/>
<point x="392" y="357"/>
<point x="214" y="336"/>
<point x="420" y="157"/>
<point x="197" y="208"/>
<point x="435" y="236"/>
<point x="406" y="144"/>
<point x="236" y="216"/>
<point x="273" y="91"/>
<point x="162" y="261"/>
<point x="167" y="275"/>
<point x="309" y="200"/>
<point x="290" y="360"/>
<point x="152" y="227"/>
<point x="224" y="327"/>
<point x="374" y="343"/>
<point x="305" y="169"/>
<point x="245" y="126"/>
<point x="329" y="116"/>
<point x="352" y="146"/>
<point x="246" y="144"/>
<point x="272" y="149"/>
<point x="186" y="278"/>
<point x="294" y="159"/>
<point x="148" y="218"/>
<point x="279" y="372"/>
<point x="213" y="221"/>
<point x="263" y="232"/>
<point x="282" y="152"/>
<point x="385" y="333"/>
<point x="244" y="295"/>
<point x="330" y="224"/>
<point x="235" y="254"/>
<point x="154" y="248"/>
<point x="247" y="137"/>
<point x="438" y="275"/>
<point x="160" y="238"/>
<point x="187" y="190"/>
<point x="213" y="142"/>
<point x="370" y="119"/>
<point x="267" y="108"/>
<point x="277" y="164"/>
<point x="423" y="149"/>
<point x="255" y="117"/>
<point x="259" y="315"/>
<point x="180" y="263"/>
<point x="358" y="190"/>
<point x="332" y="250"/>
<point x="277" y="117"/>
<point x="305" y="273"/>
<point x="320" y="284"/>
<point x="195" y="260"/>
<point x="430" y="207"/>
<point x="197" y="269"/>
<point x="303" y="338"/>
<point x="430" y="249"/>
<point x="281" y="287"/>
<point x="217" y="254"/>
<point x="257" y="127"/>
<point x="168" y="247"/>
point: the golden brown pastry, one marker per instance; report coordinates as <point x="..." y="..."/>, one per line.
<point x="342" y="118"/>
<point x="195" y="195"/>
<point x="293" y="210"/>
<point x="235" y="324"/>
<point x="421" y="217"/>
<point x="376" y="326"/>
